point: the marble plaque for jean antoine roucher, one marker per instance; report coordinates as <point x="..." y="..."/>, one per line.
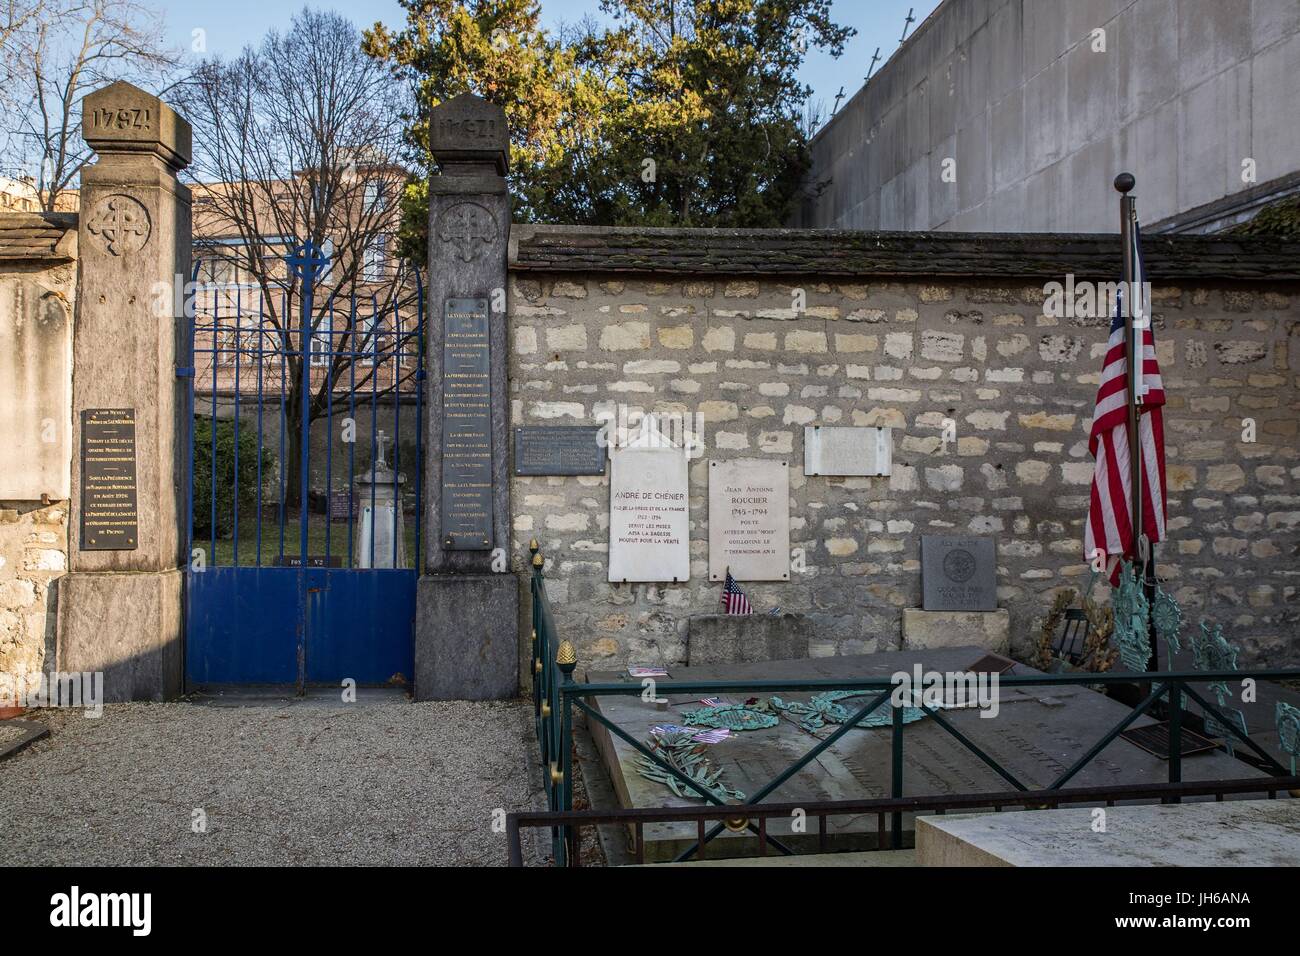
<point x="749" y="520"/>
<point x="959" y="573"/>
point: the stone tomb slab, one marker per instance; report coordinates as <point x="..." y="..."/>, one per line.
<point x="1231" y="833"/>
<point x="1037" y="735"/>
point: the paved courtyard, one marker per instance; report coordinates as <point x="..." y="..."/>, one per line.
<point x="282" y="782"/>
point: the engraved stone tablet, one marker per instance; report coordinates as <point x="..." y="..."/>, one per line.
<point x="749" y="520"/>
<point x="840" y="451"/>
<point x="466" y="427"/>
<point x="109" y="518"/>
<point x="649" y="515"/>
<point x="958" y="573"/>
<point x="559" y="450"/>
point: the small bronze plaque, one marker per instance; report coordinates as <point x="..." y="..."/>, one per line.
<point x="992" y="664"/>
<point x="559" y="450"/>
<point x="313" y="561"/>
<point x="109" y="516"/>
<point x="1154" y="739"/>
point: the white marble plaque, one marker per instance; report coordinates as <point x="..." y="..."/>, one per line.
<point x="749" y="520"/>
<point x="649" y="515"/>
<point x="846" y="450"/>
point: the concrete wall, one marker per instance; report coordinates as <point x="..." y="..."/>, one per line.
<point x="1039" y="123"/>
<point x="1020" y="385"/>
<point x="36" y="303"/>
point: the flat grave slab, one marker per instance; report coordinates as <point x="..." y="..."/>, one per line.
<point x="17" y="734"/>
<point x="1232" y="833"/>
<point x="1037" y="735"/>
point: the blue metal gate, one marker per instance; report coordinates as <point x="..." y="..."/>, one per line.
<point x="302" y="578"/>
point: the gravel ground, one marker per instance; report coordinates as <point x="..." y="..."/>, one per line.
<point x="309" y="782"/>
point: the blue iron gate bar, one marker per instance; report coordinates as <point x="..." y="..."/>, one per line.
<point x="303" y="546"/>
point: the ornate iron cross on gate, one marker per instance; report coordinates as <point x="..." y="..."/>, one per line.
<point x="307" y="261"/>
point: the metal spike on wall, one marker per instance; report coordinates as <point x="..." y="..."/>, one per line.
<point x="875" y="58"/>
<point x="907" y="23"/>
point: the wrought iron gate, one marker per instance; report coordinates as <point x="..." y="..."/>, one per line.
<point x="294" y="579"/>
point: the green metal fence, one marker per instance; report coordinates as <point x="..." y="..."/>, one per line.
<point x="556" y="696"/>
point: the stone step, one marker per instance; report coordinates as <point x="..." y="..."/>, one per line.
<point x="869" y="858"/>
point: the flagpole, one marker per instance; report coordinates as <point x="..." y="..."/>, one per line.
<point x="1145" y="564"/>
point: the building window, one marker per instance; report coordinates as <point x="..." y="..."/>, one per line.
<point x="374" y="261"/>
<point x="366" y="347"/>
<point x="322" y="341"/>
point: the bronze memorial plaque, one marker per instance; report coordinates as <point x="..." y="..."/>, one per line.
<point x="466" y="427"/>
<point x="559" y="450"/>
<point x="109" y="519"/>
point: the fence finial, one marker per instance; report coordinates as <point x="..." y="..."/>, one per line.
<point x="533" y="546"/>
<point x="565" y="655"/>
<point x="538" y="560"/>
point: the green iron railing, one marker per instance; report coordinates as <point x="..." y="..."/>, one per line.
<point x="556" y="695"/>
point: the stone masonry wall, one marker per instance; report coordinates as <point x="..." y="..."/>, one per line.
<point x="1019" y="384"/>
<point x="33" y="535"/>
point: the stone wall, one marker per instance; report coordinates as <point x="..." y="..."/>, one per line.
<point x="906" y="352"/>
<point x="37" y="291"/>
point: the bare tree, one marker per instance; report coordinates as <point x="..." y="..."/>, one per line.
<point x="16" y="16"/>
<point x="56" y="52"/>
<point x="301" y="140"/>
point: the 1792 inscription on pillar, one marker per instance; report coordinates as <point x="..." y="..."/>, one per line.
<point x="466" y="427"/>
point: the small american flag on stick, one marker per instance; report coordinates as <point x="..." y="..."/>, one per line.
<point x="733" y="598"/>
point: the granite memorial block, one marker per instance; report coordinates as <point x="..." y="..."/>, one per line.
<point x="958" y="573"/>
<point x="649" y="515"/>
<point x="845" y="450"/>
<point x="746" y="638"/>
<point x="749" y="520"/>
<point x="467" y="614"/>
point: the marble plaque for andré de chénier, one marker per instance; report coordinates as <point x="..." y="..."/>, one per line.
<point x="649" y="513"/>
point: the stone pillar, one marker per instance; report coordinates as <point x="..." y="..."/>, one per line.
<point x="466" y="628"/>
<point x="120" y="607"/>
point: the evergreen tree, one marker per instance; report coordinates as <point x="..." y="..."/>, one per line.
<point x="679" y="112"/>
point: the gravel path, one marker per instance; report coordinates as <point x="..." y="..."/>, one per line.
<point x="305" y="782"/>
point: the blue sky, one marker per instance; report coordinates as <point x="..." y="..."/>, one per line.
<point x="231" y="24"/>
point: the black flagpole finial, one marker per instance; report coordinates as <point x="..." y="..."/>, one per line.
<point x="1125" y="182"/>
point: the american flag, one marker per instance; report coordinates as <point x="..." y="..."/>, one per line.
<point x="1110" y="522"/>
<point x="733" y="598"/>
